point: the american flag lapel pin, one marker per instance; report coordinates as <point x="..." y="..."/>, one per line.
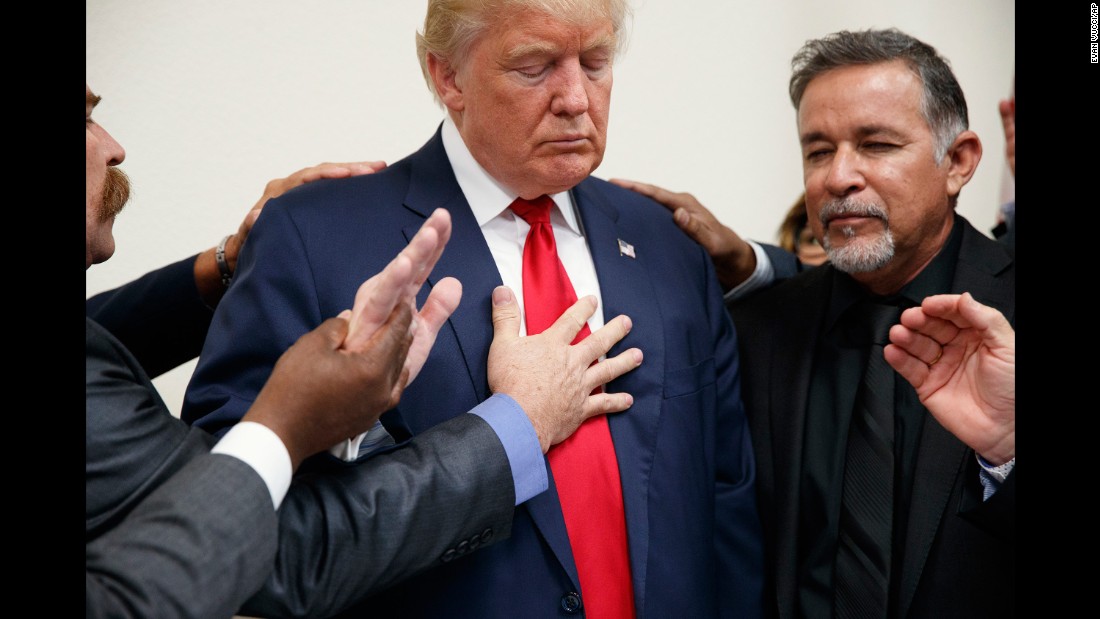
<point x="626" y="249"/>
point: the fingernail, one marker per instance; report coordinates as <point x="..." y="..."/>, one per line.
<point x="637" y="357"/>
<point x="681" y="216"/>
<point x="502" y="295"/>
<point x="628" y="324"/>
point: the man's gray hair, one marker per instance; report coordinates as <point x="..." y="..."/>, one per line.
<point x="942" y="102"/>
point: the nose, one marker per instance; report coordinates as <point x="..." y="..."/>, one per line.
<point x="114" y="150"/>
<point x="108" y="146"/>
<point x="844" y="175"/>
<point x="570" y="90"/>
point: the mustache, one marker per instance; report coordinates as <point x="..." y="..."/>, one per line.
<point x="843" y="207"/>
<point x="116" y="191"/>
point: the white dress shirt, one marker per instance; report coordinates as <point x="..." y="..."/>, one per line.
<point x="505" y="232"/>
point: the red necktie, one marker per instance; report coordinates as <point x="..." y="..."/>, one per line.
<point x="586" y="470"/>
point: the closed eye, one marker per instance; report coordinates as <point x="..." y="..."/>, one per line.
<point x="596" y="66"/>
<point x="879" y="146"/>
<point x="532" y="72"/>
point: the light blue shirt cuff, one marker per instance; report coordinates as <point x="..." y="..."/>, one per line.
<point x="506" y="417"/>
<point x="761" y="276"/>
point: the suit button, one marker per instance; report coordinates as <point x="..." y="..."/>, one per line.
<point x="486" y="535"/>
<point x="447" y="556"/>
<point x="571" y="602"/>
<point x="463" y="547"/>
<point x="475" y="541"/>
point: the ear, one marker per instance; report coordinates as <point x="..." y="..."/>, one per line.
<point x="962" y="160"/>
<point x="446" y="83"/>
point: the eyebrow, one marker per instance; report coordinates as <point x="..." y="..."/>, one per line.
<point x="524" y="50"/>
<point x="92" y="100"/>
<point x="861" y="132"/>
<point x="530" y="49"/>
<point x="604" y="41"/>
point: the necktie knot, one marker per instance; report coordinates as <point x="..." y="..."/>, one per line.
<point x="535" y="211"/>
<point x="882" y="318"/>
<point x="871" y="321"/>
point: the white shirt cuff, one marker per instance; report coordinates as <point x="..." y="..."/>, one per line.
<point x="761" y="276"/>
<point x="259" y="447"/>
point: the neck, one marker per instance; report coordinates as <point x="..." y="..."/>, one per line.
<point x="906" y="265"/>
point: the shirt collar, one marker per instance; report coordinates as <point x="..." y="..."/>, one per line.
<point x="488" y="198"/>
<point x="936" y="278"/>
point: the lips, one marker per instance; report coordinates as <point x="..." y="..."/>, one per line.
<point x="569" y="139"/>
<point x="848" y="218"/>
<point x="569" y="144"/>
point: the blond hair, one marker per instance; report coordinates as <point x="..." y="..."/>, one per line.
<point x="452" y="26"/>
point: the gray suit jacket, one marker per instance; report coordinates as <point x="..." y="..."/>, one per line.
<point x="172" y="530"/>
<point x="158" y="504"/>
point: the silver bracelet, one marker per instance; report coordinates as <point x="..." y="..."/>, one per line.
<point x="223" y="266"/>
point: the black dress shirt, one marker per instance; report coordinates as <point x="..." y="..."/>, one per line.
<point x="839" y="360"/>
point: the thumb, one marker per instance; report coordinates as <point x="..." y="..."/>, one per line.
<point x="987" y="319"/>
<point x="334" y="330"/>
<point x="683" y="219"/>
<point x="505" y="313"/>
<point x="693" y="226"/>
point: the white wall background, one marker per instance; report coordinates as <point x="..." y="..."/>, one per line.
<point x="213" y="98"/>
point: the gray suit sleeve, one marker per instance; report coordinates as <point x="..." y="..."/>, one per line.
<point x="174" y="531"/>
<point x="364" y="526"/>
<point x="195" y="547"/>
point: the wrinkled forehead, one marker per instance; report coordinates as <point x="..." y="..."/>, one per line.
<point x="571" y="11"/>
<point x="532" y="35"/>
<point x="880" y="92"/>
<point x="499" y="16"/>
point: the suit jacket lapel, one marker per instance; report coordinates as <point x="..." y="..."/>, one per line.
<point x="941" y="456"/>
<point x="787" y="411"/>
<point x="939" y="462"/>
<point x="981" y="270"/>
<point x="626" y="288"/>
<point x="467" y="258"/>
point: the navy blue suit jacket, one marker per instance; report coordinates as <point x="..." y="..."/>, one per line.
<point x="683" y="448"/>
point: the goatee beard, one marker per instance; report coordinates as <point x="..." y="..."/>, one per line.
<point x="858" y="255"/>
